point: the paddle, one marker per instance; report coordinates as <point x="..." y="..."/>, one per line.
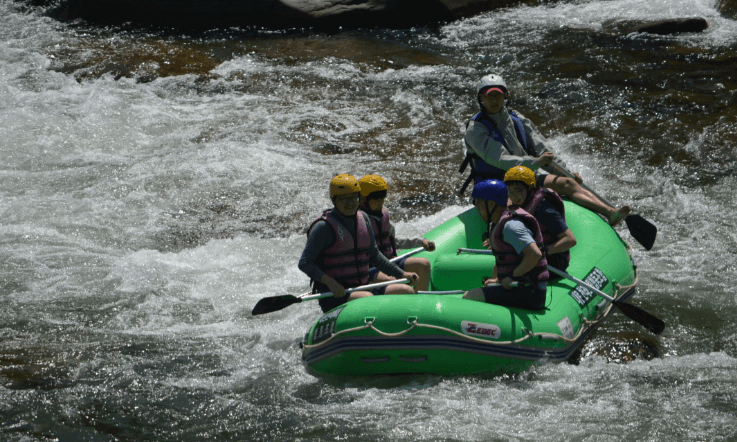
<point x="456" y="292"/>
<point x="275" y="303"/>
<point x="641" y="229"/>
<point x="476" y="251"/>
<point x="408" y="254"/>
<point x="441" y="292"/>
<point x="637" y="314"/>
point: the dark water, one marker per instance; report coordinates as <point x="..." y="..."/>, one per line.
<point x="156" y="184"/>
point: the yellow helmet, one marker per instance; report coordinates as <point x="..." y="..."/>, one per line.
<point x="371" y="184"/>
<point x="343" y="184"/>
<point x="520" y="173"/>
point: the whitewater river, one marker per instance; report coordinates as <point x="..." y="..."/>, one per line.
<point x="155" y="184"/>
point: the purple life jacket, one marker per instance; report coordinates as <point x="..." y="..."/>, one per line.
<point x="506" y="257"/>
<point x="347" y="260"/>
<point x="562" y="259"/>
<point x="382" y="229"/>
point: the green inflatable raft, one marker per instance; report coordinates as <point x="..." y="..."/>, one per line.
<point x="444" y="334"/>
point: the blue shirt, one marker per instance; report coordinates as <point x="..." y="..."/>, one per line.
<point x="516" y="234"/>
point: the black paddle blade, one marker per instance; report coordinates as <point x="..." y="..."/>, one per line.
<point x="642" y="230"/>
<point x="274" y="303"/>
<point x="642" y="317"/>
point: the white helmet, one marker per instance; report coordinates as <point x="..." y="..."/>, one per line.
<point x="492" y="80"/>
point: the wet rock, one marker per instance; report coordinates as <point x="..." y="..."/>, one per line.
<point x="728" y="8"/>
<point x="283" y="13"/>
<point x="660" y="27"/>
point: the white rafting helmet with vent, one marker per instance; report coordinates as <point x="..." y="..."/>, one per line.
<point x="491" y="80"/>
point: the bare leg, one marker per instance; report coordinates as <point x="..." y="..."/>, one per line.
<point x="476" y="294"/>
<point x="399" y="289"/>
<point x="394" y="289"/>
<point x="570" y="188"/>
<point x="358" y="294"/>
<point x="421" y="266"/>
<point x="382" y="277"/>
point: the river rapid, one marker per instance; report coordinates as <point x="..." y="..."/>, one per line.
<point x="156" y="183"/>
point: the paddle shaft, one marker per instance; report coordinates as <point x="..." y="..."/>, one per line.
<point x="582" y="283"/>
<point x="408" y="254"/>
<point x="552" y="269"/>
<point x="637" y="314"/>
<point x="440" y="292"/>
<point x="275" y="303"/>
<point x="395" y="259"/>
<point x="355" y="289"/>
<point x="476" y="251"/>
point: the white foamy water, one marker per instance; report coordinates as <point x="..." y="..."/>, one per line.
<point x="140" y="222"/>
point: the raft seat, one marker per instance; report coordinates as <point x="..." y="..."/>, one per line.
<point x="460" y="272"/>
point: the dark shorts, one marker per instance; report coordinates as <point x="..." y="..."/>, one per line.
<point x="524" y="296"/>
<point x="373" y="271"/>
<point x="329" y="303"/>
<point x="559" y="262"/>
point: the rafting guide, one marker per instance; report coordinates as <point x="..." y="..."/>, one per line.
<point x="498" y="139"/>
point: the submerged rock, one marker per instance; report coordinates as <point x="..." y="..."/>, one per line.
<point x="660" y="27"/>
<point x="284" y="13"/>
<point x="728" y="8"/>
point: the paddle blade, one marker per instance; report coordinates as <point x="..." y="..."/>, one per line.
<point x="274" y="303"/>
<point x="642" y="317"/>
<point x="642" y="230"/>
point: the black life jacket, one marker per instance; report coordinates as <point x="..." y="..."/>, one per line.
<point x="558" y="260"/>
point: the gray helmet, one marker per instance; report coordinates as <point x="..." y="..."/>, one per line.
<point x="491" y="80"/>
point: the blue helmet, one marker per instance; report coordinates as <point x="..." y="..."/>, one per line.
<point x="491" y="190"/>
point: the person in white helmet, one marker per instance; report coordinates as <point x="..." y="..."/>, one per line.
<point x="498" y="139"/>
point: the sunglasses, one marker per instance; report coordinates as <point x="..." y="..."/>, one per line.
<point x="379" y="194"/>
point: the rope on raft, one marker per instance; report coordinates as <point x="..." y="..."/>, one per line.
<point x="618" y="291"/>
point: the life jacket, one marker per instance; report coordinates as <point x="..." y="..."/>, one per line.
<point x="382" y="230"/>
<point x="480" y="169"/>
<point x="506" y="257"/>
<point x="347" y="260"/>
<point x="558" y="260"/>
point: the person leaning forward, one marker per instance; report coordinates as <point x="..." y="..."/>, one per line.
<point x="341" y="248"/>
<point x="515" y="241"/>
<point x="373" y="193"/>
<point x="497" y="139"/>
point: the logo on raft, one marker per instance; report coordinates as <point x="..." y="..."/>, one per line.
<point x="481" y="330"/>
<point x="326" y="325"/>
<point x="595" y="278"/>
